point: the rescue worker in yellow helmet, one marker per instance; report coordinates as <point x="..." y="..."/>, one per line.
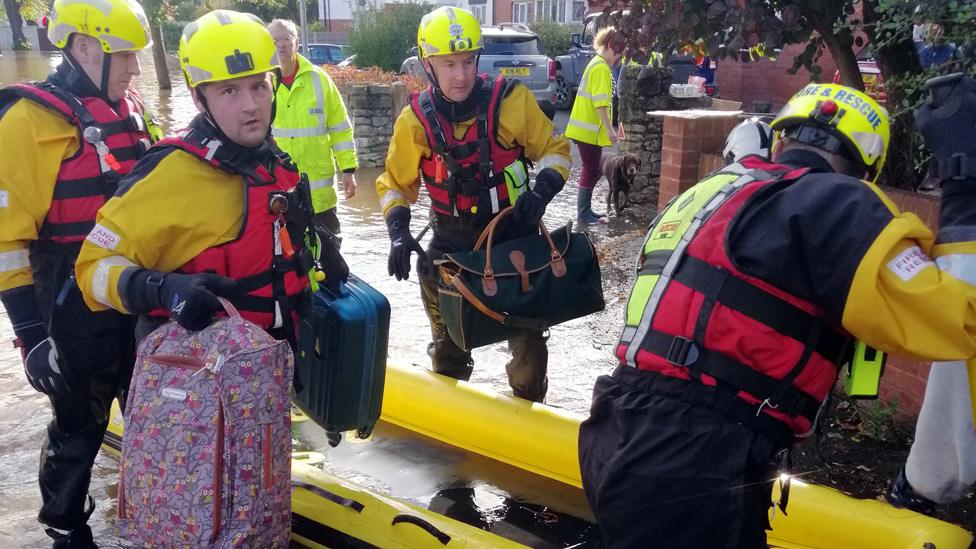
<point x="312" y="126"/>
<point x="470" y="138"/>
<point x="750" y="288"/>
<point x="197" y="218"/>
<point x="66" y="143"/>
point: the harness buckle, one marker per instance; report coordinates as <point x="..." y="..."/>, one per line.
<point x="683" y="352"/>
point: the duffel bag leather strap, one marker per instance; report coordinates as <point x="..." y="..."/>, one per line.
<point x="558" y="265"/>
<point x="538" y="324"/>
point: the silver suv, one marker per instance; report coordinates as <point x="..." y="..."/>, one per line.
<point x="513" y="50"/>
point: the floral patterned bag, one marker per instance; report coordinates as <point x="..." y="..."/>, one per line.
<point x="206" y="451"/>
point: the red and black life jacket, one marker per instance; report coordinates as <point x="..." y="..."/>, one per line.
<point x="110" y="141"/>
<point x="270" y="284"/>
<point x="702" y="319"/>
<point x="462" y="173"/>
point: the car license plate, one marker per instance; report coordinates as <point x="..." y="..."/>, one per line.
<point x="515" y="71"/>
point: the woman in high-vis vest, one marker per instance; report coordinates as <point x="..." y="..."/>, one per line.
<point x="590" y="123"/>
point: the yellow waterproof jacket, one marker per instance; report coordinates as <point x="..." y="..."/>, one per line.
<point x="180" y="207"/>
<point x="312" y="126"/>
<point x="36" y="140"/>
<point x="595" y="91"/>
<point x="521" y="122"/>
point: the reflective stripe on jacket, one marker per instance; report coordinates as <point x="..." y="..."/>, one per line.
<point x="312" y="126"/>
<point x="595" y="90"/>
<point x="694" y="315"/>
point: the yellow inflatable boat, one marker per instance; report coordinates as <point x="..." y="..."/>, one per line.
<point x="535" y="441"/>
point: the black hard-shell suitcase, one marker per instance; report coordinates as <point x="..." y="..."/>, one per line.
<point x="341" y="363"/>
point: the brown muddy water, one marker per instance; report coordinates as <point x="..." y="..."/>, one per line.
<point x="579" y="350"/>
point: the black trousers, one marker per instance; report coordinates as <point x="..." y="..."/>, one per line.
<point x="530" y="355"/>
<point x="98" y="354"/>
<point x="664" y="472"/>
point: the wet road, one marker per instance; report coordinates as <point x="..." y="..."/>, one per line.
<point x="579" y="350"/>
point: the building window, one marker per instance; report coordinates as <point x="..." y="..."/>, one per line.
<point x="479" y="13"/>
<point x="579" y="11"/>
<point x="562" y="12"/>
<point x="540" y="10"/>
<point x="520" y="12"/>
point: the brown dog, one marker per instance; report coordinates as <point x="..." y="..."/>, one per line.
<point x="620" y="172"/>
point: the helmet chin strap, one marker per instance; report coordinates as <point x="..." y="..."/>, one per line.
<point x="76" y="66"/>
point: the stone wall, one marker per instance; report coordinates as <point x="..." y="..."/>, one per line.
<point x="372" y="110"/>
<point x="644" y="89"/>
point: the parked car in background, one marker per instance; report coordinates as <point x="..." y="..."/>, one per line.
<point x="570" y="67"/>
<point x="511" y="49"/>
<point x="325" y="54"/>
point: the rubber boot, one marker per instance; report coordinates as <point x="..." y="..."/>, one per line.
<point x="902" y="495"/>
<point x="77" y="538"/>
<point x="584" y="211"/>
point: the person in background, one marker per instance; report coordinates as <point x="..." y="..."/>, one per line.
<point x="312" y="126"/>
<point x="66" y="143"/>
<point x="590" y="123"/>
<point x="752" y="136"/>
<point x="468" y="138"/>
<point x="751" y="288"/>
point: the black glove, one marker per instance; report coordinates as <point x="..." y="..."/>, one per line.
<point x="531" y="205"/>
<point x="402" y="243"/>
<point x="333" y="264"/>
<point x="190" y="298"/>
<point x="42" y="361"/>
<point x="948" y="124"/>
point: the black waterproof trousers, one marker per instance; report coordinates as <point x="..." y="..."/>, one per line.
<point x="530" y="356"/>
<point x="98" y="354"/>
<point x="660" y="471"/>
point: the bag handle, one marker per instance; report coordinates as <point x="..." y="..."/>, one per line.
<point x="488" y="237"/>
<point x="502" y="318"/>
<point x="229" y="307"/>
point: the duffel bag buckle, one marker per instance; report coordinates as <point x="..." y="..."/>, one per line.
<point x="683" y="351"/>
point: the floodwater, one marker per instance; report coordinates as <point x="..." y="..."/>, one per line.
<point x="580" y="350"/>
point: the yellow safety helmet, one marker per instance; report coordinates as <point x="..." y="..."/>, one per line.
<point x="448" y="30"/>
<point x="120" y="25"/>
<point x="223" y="45"/>
<point x="854" y="123"/>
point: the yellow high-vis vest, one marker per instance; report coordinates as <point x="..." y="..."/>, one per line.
<point x="595" y="90"/>
<point x="312" y="126"/>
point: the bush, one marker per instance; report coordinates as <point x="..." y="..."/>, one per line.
<point x="373" y="75"/>
<point x="172" y="30"/>
<point x="555" y="36"/>
<point x="380" y="37"/>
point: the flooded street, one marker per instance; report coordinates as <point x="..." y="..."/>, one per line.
<point x="579" y="350"/>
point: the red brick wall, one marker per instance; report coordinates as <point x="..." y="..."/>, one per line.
<point x="688" y="152"/>
<point x="766" y="80"/>
<point x="501" y="11"/>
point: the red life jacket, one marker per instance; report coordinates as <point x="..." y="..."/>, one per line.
<point x="460" y="173"/>
<point x="772" y="352"/>
<point x="110" y="142"/>
<point x="270" y="285"/>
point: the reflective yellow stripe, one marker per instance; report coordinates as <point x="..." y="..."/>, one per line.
<point x="298" y="132"/>
<point x="390" y="197"/>
<point x="584" y="125"/>
<point x="961" y="266"/>
<point x="554" y="161"/>
<point x="13" y="260"/>
<point x="342" y="126"/>
<point x="319" y="99"/>
<point x="316" y="184"/>
<point x="344" y="146"/>
<point x="102" y="279"/>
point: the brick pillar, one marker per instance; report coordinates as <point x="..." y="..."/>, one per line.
<point x="687" y="136"/>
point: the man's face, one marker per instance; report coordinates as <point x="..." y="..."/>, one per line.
<point x="123" y="66"/>
<point x="455" y="74"/>
<point x="286" y="44"/>
<point x="241" y="107"/>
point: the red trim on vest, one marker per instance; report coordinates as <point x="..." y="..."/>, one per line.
<point x="81" y="187"/>
<point x="729" y="332"/>
<point x="251" y="254"/>
<point x="501" y="156"/>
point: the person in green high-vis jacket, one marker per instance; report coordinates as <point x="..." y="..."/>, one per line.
<point x="312" y="126"/>
<point x="590" y="122"/>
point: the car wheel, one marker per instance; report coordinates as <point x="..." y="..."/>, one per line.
<point x="564" y="96"/>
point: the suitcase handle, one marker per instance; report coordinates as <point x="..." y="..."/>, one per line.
<point x="423" y="525"/>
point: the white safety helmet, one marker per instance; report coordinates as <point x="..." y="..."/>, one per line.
<point x="751" y="136"/>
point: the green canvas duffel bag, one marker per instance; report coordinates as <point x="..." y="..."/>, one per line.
<point x="499" y="290"/>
